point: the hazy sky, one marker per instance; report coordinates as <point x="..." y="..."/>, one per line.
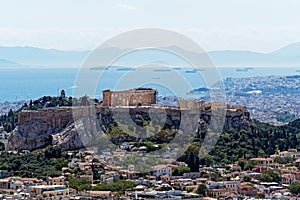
<point x="258" y="25"/>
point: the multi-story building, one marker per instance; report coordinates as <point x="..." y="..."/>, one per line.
<point x="56" y="180"/>
<point x="49" y="192"/>
<point x="290" y="153"/>
<point x="234" y="185"/>
<point x="159" y="170"/>
<point x="5" y="183"/>
<point x="266" y="162"/>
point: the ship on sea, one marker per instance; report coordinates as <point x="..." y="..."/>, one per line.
<point x="125" y="69"/>
<point x="245" y="69"/>
<point x="98" y="68"/>
<point x="161" y="70"/>
<point x="190" y="71"/>
<point x="176" y="68"/>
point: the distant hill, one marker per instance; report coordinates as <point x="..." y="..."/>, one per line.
<point x="288" y="56"/>
<point x="30" y="56"/>
<point x="291" y="50"/>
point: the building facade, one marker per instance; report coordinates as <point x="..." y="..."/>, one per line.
<point x="159" y="170"/>
<point x="132" y="97"/>
<point x="49" y="192"/>
<point x="190" y="104"/>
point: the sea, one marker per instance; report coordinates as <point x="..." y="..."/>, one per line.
<point x="26" y="83"/>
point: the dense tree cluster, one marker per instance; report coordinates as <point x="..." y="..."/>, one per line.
<point x="9" y="121"/>
<point x="33" y="164"/>
<point x="181" y="170"/>
<point x="201" y="189"/>
<point x="295" y="188"/>
<point x="118" y="186"/>
<point x="270" y="176"/>
<point x="48" y="101"/>
<point x="262" y="141"/>
<point x="2" y="146"/>
<point x="79" y="184"/>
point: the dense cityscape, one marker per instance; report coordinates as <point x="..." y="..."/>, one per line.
<point x="144" y="100"/>
<point x="270" y="99"/>
<point x="62" y="168"/>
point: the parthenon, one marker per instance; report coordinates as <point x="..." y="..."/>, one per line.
<point x="132" y="97"/>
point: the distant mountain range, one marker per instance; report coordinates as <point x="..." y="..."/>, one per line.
<point x="31" y="56"/>
<point x="288" y="56"/>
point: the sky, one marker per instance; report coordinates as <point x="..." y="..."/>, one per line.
<point x="255" y="25"/>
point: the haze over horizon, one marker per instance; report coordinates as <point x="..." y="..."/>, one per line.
<point x="91" y="49"/>
<point x="259" y="26"/>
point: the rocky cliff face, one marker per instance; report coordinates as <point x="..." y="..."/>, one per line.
<point x="36" y="133"/>
<point x="68" y="138"/>
<point x="31" y="135"/>
<point x="79" y="134"/>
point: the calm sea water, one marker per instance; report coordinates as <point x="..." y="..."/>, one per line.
<point x="31" y="83"/>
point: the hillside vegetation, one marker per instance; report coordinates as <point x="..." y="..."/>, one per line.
<point x="261" y="140"/>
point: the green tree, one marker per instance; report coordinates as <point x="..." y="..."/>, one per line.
<point x="284" y="160"/>
<point x="150" y="146"/>
<point x="32" y="165"/>
<point x="295" y="188"/>
<point x="270" y="176"/>
<point x="2" y="146"/>
<point x="179" y="171"/>
<point x="53" y="152"/>
<point x="118" y="186"/>
<point x="191" y="157"/>
<point x="201" y="189"/>
<point x="250" y="164"/>
<point x="79" y="184"/>
<point x="163" y="136"/>
<point x="4" y="166"/>
<point x="246" y="179"/>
